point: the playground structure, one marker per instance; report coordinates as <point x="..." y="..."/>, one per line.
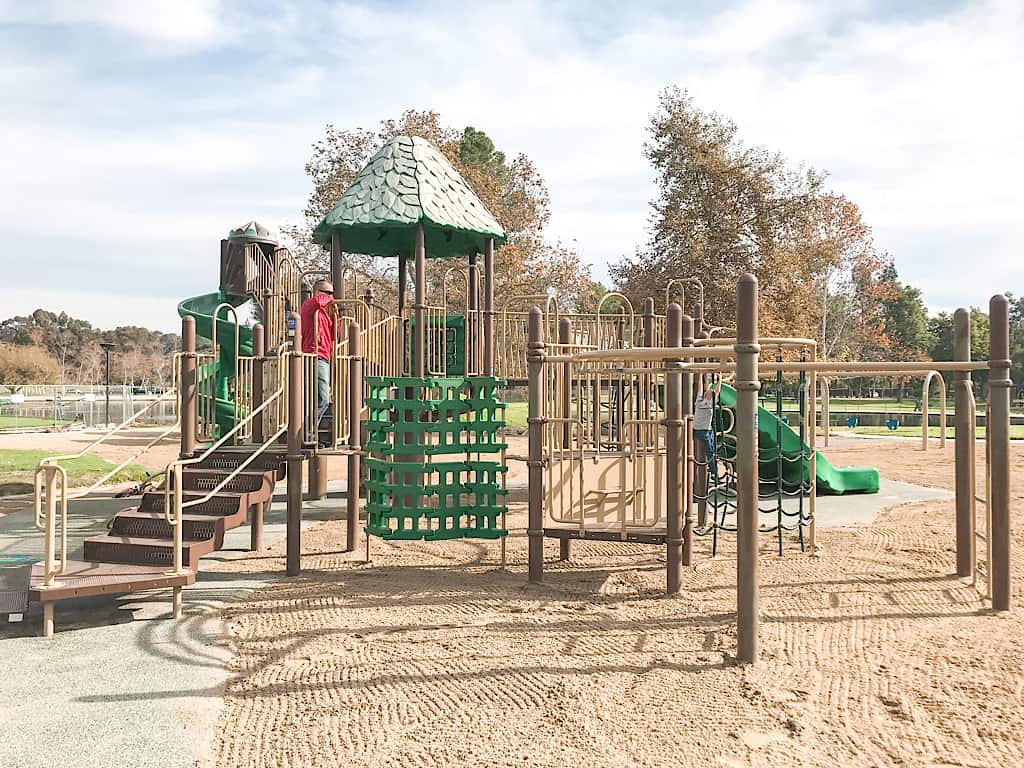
<point x="415" y="395"/>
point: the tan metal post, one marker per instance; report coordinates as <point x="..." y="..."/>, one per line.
<point x="259" y="349"/>
<point x="472" y="316"/>
<point x="673" y="455"/>
<point x="963" y="447"/>
<point x="535" y="453"/>
<point x="403" y="290"/>
<point x="420" y="306"/>
<point x="295" y="425"/>
<point x="648" y="322"/>
<point x="687" y="416"/>
<point x="355" y="407"/>
<point x="187" y="403"/>
<point x="747" y="386"/>
<point x="998" y="434"/>
<point x="826" y="395"/>
<point x="565" y="395"/>
<point x="688" y="491"/>
<point x="489" y="308"/>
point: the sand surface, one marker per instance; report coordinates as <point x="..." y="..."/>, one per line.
<point x="873" y="654"/>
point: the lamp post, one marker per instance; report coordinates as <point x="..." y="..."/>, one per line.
<point x="107" y="346"/>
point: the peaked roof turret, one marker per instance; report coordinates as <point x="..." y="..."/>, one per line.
<point x="408" y="182"/>
<point x="253" y="231"/>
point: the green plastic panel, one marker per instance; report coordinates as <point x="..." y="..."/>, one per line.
<point x="433" y="472"/>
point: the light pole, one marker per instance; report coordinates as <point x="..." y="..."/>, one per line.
<point x="107" y="346"/>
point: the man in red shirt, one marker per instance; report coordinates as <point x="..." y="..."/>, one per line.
<point x="320" y="328"/>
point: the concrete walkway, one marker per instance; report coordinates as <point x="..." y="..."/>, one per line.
<point x="120" y="684"/>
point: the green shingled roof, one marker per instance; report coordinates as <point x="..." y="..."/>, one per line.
<point x="252" y="230"/>
<point x="407" y="182"/>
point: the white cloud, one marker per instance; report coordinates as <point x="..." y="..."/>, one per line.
<point x="176" y="25"/>
<point x="917" y="119"/>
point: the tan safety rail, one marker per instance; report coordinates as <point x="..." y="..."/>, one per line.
<point x="602" y="440"/>
<point x="174" y="505"/>
<point x="50" y="481"/>
<point x="286" y="297"/>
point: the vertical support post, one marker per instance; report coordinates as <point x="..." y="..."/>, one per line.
<point x="48" y="618"/>
<point x="535" y="453"/>
<point x="998" y="434"/>
<point x="565" y="400"/>
<point x="420" y="306"/>
<point x="187" y="405"/>
<point x="489" y="308"/>
<point x="316" y="486"/>
<point x="647" y="323"/>
<point x="963" y="448"/>
<point x="50" y="545"/>
<point x="688" y="469"/>
<point x="355" y="407"/>
<point x="403" y="290"/>
<point x="473" y="316"/>
<point x="673" y="454"/>
<point x="746" y="349"/>
<point x="259" y="350"/>
<point x="826" y="417"/>
<point x="337" y="278"/>
<point x="685" y="443"/>
<point x="295" y="417"/>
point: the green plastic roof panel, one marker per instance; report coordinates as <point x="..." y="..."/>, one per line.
<point x="407" y="182"/>
<point x="252" y="230"/>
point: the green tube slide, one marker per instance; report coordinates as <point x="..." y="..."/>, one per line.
<point x="202" y="308"/>
<point x="772" y="432"/>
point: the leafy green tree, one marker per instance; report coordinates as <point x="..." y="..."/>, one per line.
<point x="724" y="208"/>
<point x="940" y="327"/>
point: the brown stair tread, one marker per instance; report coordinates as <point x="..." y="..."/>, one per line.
<point x="240" y="499"/>
<point x="140" y="541"/>
<point x="137" y="514"/>
<point x="145" y="548"/>
<point x="82" y="578"/>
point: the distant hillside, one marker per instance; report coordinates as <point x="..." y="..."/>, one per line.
<point x="47" y="347"/>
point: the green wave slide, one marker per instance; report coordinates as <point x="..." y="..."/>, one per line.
<point x="830" y="479"/>
<point x="202" y="308"/>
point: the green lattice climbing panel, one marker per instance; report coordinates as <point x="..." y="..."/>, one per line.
<point x="436" y="462"/>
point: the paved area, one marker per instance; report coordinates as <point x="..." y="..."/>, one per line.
<point x="120" y="684"/>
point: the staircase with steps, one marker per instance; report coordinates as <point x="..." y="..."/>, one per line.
<point x="138" y="551"/>
<point x="144" y="537"/>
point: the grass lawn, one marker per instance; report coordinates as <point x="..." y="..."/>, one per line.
<point x="21" y="422"/>
<point x="17" y="468"/>
<point x="1016" y="431"/>
<point x="515" y="414"/>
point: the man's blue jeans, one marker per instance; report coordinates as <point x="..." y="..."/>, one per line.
<point x="323" y="387"/>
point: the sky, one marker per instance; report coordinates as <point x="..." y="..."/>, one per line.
<point x="134" y="134"/>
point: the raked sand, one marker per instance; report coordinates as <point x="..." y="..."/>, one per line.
<point x="873" y="654"/>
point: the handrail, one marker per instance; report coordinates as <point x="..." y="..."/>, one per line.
<point x="49" y="468"/>
<point x="174" y="475"/>
<point x="51" y="566"/>
<point x="173" y="391"/>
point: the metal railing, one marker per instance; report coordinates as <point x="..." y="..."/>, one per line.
<point x="174" y="504"/>
<point x="49" y="494"/>
<point x="604" y="446"/>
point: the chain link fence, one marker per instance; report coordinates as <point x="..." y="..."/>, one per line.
<point x="45" y="406"/>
